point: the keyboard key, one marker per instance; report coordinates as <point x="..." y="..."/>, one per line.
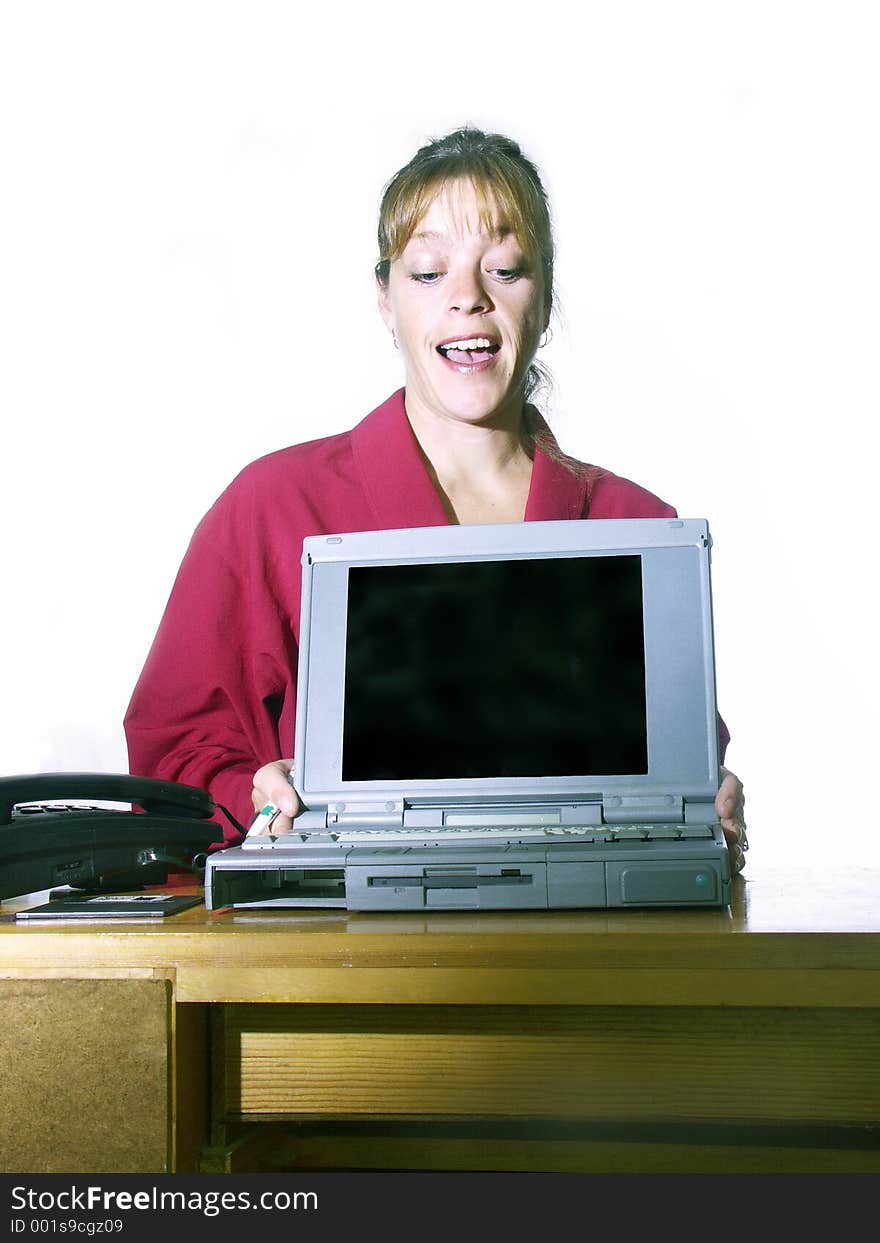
<point x="697" y="830"/>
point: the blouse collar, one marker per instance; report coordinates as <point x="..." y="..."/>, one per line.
<point x="399" y="489"/>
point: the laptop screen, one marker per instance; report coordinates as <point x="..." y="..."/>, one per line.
<point x="531" y="660"/>
<point x="509" y="668"/>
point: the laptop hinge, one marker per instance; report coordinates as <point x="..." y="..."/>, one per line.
<point x="700" y="811"/>
<point x="386" y="815"/>
<point x="652" y="808"/>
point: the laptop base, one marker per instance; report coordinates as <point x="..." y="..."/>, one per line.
<point x="490" y="877"/>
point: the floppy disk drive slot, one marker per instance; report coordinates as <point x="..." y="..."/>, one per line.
<point x="453" y="879"/>
<point x="415" y="886"/>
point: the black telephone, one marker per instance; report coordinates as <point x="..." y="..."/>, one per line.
<point x="98" y="848"/>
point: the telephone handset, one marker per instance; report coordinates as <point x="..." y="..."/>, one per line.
<point x="44" y="844"/>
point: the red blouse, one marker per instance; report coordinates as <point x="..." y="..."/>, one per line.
<point x="216" y="698"/>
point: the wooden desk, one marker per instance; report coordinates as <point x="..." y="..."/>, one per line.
<point x="621" y="1040"/>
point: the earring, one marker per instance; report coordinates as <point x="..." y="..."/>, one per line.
<point x="548" y="337"/>
<point x="394" y="339"/>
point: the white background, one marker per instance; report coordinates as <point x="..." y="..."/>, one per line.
<point x="189" y="201"/>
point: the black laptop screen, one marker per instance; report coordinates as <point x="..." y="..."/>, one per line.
<point x="516" y="668"/>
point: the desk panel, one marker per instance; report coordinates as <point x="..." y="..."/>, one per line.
<point x="86" y="1076"/>
<point x="553" y="1062"/>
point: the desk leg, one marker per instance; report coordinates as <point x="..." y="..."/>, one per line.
<point x="190" y="1087"/>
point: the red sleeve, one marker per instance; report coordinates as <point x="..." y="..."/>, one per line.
<point x="216" y="695"/>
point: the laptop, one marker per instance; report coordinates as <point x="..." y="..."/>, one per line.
<point x="502" y="717"/>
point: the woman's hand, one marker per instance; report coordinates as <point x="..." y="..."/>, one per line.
<point x="730" y="806"/>
<point x="271" y="785"/>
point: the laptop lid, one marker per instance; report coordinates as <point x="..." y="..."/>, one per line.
<point x="525" y="664"/>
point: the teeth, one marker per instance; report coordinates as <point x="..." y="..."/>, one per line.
<point x="472" y="343"/>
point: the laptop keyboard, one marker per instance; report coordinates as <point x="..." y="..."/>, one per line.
<point x="580" y="833"/>
<point x="524" y="834"/>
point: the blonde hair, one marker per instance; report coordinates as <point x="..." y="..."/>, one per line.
<point x="508" y="192"/>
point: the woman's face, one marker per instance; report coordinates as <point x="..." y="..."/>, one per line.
<point x="456" y="282"/>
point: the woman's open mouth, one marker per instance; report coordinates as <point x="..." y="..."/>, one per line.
<point x="469" y="354"/>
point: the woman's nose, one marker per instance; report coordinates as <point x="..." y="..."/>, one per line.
<point x="468" y="293"/>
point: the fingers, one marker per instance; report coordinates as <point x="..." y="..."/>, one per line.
<point x="737" y="843"/>
<point x="271" y="785"/>
<point x="730" y="808"/>
<point x="729" y="802"/>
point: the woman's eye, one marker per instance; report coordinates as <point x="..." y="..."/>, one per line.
<point x="504" y="274"/>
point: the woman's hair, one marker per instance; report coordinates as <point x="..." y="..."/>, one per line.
<point x="508" y="190"/>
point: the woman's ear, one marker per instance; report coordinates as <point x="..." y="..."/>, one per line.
<point x="383" y="298"/>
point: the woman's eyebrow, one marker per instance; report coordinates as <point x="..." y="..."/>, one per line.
<point x="432" y="235"/>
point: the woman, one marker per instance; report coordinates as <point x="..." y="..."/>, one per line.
<point x="465" y="286"/>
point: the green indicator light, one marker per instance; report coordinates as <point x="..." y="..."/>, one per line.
<point x="701" y="878"/>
